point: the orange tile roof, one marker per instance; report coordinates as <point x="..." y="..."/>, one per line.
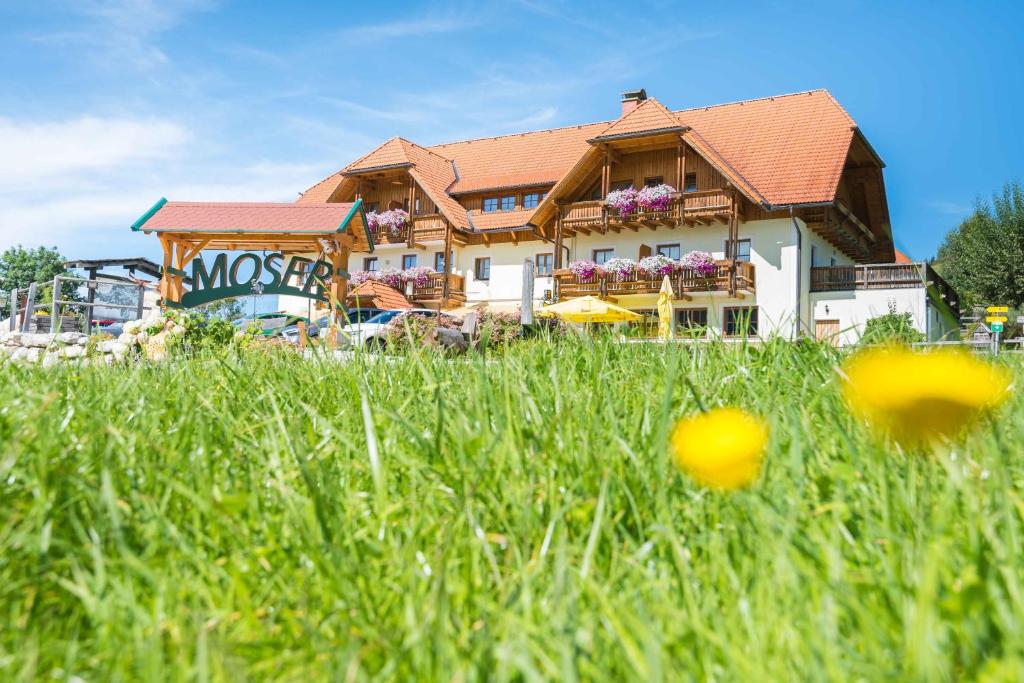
<point x="901" y="257"/>
<point x="538" y="158"/>
<point x="789" y="149"/>
<point x="322" y="191"/>
<point x="248" y="217"/>
<point x="649" y="116"/>
<point x="500" y="219"/>
<point x="373" y="294"/>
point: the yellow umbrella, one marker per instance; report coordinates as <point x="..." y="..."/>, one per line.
<point x="590" y="309"/>
<point x="665" y="296"/>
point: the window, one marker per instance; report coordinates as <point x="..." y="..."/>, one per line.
<point x="742" y="250"/>
<point x="595" y="192"/>
<point x="601" y="256"/>
<point x="439" y="261"/>
<point x="668" y="251"/>
<point x="482" y="269"/>
<point x="490" y="204"/>
<point x="371" y="265"/>
<point x="544" y="264"/>
<point x="654" y="181"/>
<point x="417" y="209"/>
<point x="508" y="202"/>
<point x="692" y="318"/>
<point x="690" y="182"/>
<point x="620" y="185"/>
<point x="405" y="205"/>
<point x="832" y="262"/>
<point x="408" y="261"/>
<point x="371" y="206"/>
<point x="531" y="200"/>
<point x="814" y="256"/>
<point x="741" y="321"/>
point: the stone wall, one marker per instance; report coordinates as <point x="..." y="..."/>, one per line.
<point x="73" y="347"/>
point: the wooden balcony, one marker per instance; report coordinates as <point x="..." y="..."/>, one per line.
<point x="881" y="276"/>
<point x="689" y="208"/>
<point x="431" y="294"/>
<point x="425" y="228"/>
<point x="683" y="282"/>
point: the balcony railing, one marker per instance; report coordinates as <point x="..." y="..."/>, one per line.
<point x="425" y="228"/>
<point x="685" y="281"/>
<point x="689" y="208"/>
<point x="433" y="290"/>
<point x="881" y="276"/>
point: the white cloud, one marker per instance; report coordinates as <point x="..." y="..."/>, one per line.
<point x="95" y="222"/>
<point x="123" y="32"/>
<point x="32" y="153"/>
<point x="408" y="28"/>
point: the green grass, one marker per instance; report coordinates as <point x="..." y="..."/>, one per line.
<point x="508" y="518"/>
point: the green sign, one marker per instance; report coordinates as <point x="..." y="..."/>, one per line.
<point x="251" y="273"/>
<point x="997" y="327"/>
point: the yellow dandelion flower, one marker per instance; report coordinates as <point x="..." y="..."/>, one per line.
<point x="918" y="397"/>
<point x="722" y="448"/>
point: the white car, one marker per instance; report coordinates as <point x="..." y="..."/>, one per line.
<point x="373" y="333"/>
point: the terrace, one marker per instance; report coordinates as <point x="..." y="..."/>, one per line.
<point x="687" y="208"/>
<point x="881" y="276"/>
<point x="729" y="275"/>
<point x="433" y="293"/>
<point x="424" y="228"/>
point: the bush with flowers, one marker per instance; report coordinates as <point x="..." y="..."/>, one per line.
<point x="656" y="198"/>
<point x="395" y="278"/>
<point x="700" y="262"/>
<point x="657" y="265"/>
<point x="623" y="201"/>
<point x="392" y="220"/>
<point x="585" y="270"/>
<point x="622" y="267"/>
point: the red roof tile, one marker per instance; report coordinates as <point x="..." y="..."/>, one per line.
<point x="373" y="294"/>
<point x="648" y="117"/>
<point x="789" y="149"/>
<point x="500" y="219"/>
<point x="248" y="217"/>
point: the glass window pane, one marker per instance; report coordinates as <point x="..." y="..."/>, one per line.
<point x="690" y="182"/>
<point x="408" y="261"/>
<point x="669" y="251"/>
<point x="531" y="200"/>
<point x="544" y="264"/>
<point x="508" y="202"/>
<point x="601" y="256"/>
<point x="490" y="203"/>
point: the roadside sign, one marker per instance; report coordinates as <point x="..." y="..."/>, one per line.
<point x="997" y="309"/>
<point x="1020" y="319"/>
<point x="997" y="327"/>
<point x="996" y="319"/>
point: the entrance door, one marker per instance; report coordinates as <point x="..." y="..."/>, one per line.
<point x="827" y="330"/>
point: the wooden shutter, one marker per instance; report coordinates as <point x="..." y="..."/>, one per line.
<point x="645" y="251"/>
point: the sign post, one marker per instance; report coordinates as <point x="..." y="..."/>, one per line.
<point x="996" y="321"/>
<point x="526" y="303"/>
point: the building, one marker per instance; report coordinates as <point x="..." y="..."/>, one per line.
<point x="785" y="193"/>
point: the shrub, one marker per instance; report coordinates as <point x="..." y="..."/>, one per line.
<point x="412" y="330"/>
<point x="891" y="327"/>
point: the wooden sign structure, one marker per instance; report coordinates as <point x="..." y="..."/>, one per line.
<point x="284" y="234"/>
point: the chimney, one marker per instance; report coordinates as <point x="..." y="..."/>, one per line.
<point x="631" y="100"/>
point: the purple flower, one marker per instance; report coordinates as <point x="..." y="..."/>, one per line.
<point x="623" y="201"/>
<point x="700" y="262"/>
<point x="584" y="270"/>
<point x="657" y="198"/>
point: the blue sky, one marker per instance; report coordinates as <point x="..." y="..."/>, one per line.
<point x="106" y="105"/>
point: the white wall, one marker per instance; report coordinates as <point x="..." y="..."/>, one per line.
<point x="772" y="252"/>
<point x="853" y="308"/>
<point x="505" y="285"/>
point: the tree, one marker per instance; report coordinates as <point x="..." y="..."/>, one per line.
<point x="20" y="267"/>
<point x="983" y="258"/>
<point x="891" y="327"/>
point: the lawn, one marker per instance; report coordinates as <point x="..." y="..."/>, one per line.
<point x="513" y="517"/>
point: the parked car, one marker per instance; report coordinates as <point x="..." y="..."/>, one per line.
<point x="270" y="324"/>
<point x="291" y="333"/>
<point x="372" y="333"/>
